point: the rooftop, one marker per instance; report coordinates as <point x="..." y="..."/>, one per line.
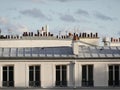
<point x="61" y="52"/>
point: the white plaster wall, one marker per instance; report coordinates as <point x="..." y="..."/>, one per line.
<point x="100" y="73"/>
<point x="47" y="75"/>
<point x="34" y="43"/>
<point x="45" y="43"/>
<point x="93" y="41"/>
<point x="0" y="75"/>
<point x="71" y="75"/>
<point x="115" y="44"/>
<point x="48" y="72"/>
<point x="78" y="72"/>
<point x="20" y="74"/>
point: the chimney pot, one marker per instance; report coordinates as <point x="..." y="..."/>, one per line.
<point x="111" y="39"/>
<point x="85" y="35"/>
<point x="80" y="35"/>
<point x="42" y="28"/>
<point x="96" y="35"/>
<point x="88" y="35"/>
<point x="91" y="35"/>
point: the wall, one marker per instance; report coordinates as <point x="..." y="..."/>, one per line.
<point x="21" y="73"/>
<point x="34" y="43"/>
<point x="46" y="43"/>
<point x="92" y="41"/>
<point x="100" y="73"/>
<point x="74" y="72"/>
<point x="115" y="44"/>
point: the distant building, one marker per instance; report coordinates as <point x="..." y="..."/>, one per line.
<point x="73" y="60"/>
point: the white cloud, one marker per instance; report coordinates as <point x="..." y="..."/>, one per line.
<point x="67" y="18"/>
<point x="3" y="20"/>
<point x="103" y="16"/>
<point x="17" y="28"/>
<point x="82" y="12"/>
<point x="36" y="13"/>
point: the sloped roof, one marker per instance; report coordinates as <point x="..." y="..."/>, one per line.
<point x="36" y="52"/>
<point x="61" y="52"/>
<point x="99" y="52"/>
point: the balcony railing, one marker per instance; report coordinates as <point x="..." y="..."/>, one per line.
<point x="88" y="83"/>
<point x="114" y="83"/>
<point x="34" y="83"/>
<point x="8" y="83"/>
<point x="61" y="83"/>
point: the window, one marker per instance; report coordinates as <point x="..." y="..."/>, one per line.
<point x="61" y="75"/>
<point x="8" y="76"/>
<point x="114" y="75"/>
<point x="34" y="76"/>
<point x="87" y="75"/>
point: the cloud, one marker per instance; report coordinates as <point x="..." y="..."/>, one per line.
<point x="67" y="18"/>
<point x="3" y="21"/>
<point x="15" y="29"/>
<point x="22" y="28"/>
<point x="82" y="12"/>
<point x="103" y="17"/>
<point x="63" y="0"/>
<point x="119" y="33"/>
<point x="36" y="1"/>
<point x="36" y="13"/>
<point x="70" y="0"/>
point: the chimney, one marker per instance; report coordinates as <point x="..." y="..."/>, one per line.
<point x="91" y="35"/>
<point x="38" y="33"/>
<point x="75" y="47"/>
<point x="85" y="35"/>
<point x="75" y="37"/>
<point x="80" y="35"/>
<point x="88" y="35"/>
<point x="43" y="28"/>
<point x="47" y="29"/>
<point x="111" y="39"/>
<point x="106" y="41"/>
<point x="96" y="35"/>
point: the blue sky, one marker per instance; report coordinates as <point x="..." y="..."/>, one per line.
<point x="102" y="16"/>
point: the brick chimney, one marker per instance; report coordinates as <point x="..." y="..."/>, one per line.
<point x="75" y="44"/>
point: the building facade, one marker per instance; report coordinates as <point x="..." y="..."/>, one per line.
<point x="58" y="67"/>
<point x="58" y="63"/>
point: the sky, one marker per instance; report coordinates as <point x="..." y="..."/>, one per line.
<point x="102" y="16"/>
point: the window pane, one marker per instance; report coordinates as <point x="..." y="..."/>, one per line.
<point x="90" y="72"/>
<point x="31" y="76"/>
<point x="58" y="67"/>
<point x="57" y="75"/>
<point x="11" y="76"/>
<point x="84" y="72"/>
<point x="116" y="75"/>
<point x="110" y="73"/>
<point x="4" y="68"/>
<point x="37" y="75"/>
<point x="10" y="68"/>
<point x="63" y="67"/>
<point x="64" y="74"/>
<point x="31" y="68"/>
<point x="4" y="75"/>
<point x="37" y="68"/>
